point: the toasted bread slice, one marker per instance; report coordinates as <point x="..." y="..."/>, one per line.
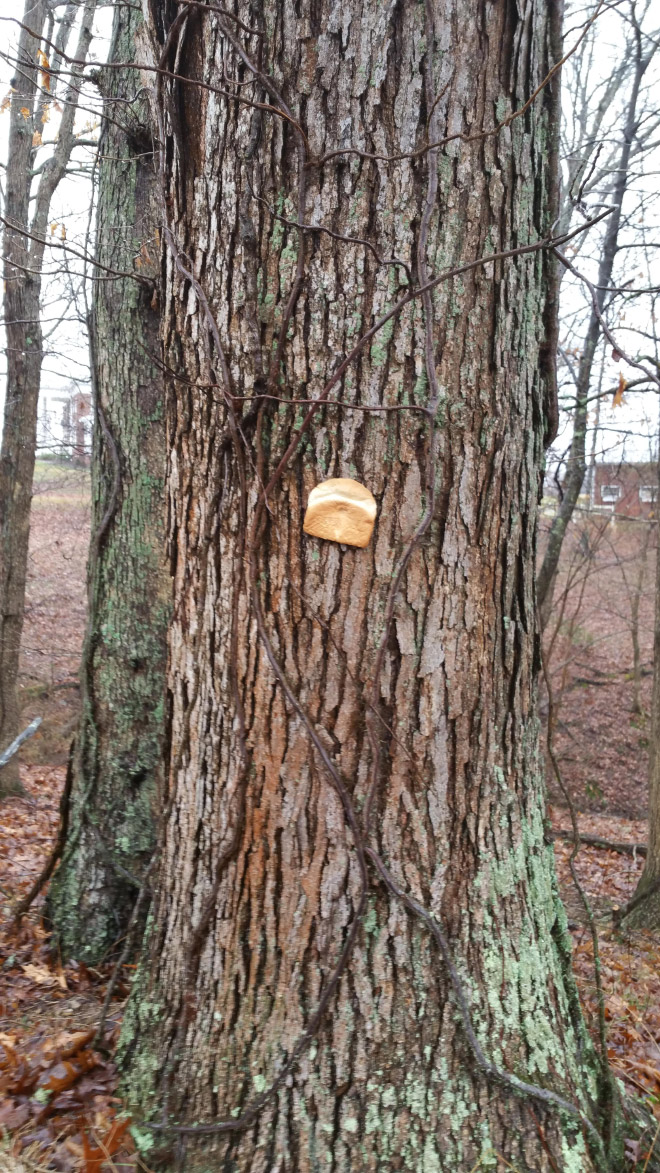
<point x="341" y="510"/>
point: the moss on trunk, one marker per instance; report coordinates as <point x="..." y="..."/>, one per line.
<point x="313" y="711"/>
<point x="118" y="757"/>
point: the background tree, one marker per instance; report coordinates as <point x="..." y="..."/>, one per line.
<point x="604" y="145"/>
<point x="353" y="770"/>
<point x="645" y="905"/>
<point x="29" y="190"/>
<point x="118" y="752"/>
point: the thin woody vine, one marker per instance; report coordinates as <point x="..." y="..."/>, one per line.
<point x="359" y="823"/>
<point x="243" y="438"/>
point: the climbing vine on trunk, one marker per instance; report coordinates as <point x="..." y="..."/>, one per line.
<point x="357" y="956"/>
<point x="117" y="761"/>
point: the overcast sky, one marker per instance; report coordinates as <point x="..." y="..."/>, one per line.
<point x="627" y="431"/>
<point x="66" y="357"/>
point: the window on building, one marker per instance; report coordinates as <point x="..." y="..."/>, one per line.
<point x="610" y="492"/>
<point x="648" y="493"/>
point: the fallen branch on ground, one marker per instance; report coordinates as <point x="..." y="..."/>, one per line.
<point x="18" y="741"/>
<point x="606" y="844"/>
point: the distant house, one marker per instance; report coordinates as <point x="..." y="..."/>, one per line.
<point x="625" y="490"/>
<point x="65" y="424"/>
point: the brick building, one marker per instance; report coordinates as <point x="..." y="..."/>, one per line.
<point x="626" y="490"/>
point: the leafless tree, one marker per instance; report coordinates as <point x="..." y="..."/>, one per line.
<point x="611" y="131"/>
<point x="645" y="905"/>
<point x="39" y="97"/>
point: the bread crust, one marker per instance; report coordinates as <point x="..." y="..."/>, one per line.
<point x="341" y="510"/>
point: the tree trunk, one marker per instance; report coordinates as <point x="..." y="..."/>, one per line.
<point x="354" y="770"/>
<point x="576" y="465"/>
<point x="646" y="912"/>
<point x="19" y="435"/>
<point x="118" y="754"/>
<point x="26" y="214"/>
<point x="635" y="602"/>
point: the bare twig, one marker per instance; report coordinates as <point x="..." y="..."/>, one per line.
<point x="47" y="871"/>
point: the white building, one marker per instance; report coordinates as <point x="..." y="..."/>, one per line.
<point x="64" y="426"/>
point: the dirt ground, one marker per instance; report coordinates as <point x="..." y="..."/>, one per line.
<point x="55" y="609"/>
<point x="58" y="1107"/>
<point x="602" y="726"/>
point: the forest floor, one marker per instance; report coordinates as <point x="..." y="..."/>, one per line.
<point x="55" y="609"/>
<point x="58" y="1103"/>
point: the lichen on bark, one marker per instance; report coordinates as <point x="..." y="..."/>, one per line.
<point x="119" y="744"/>
<point x="276" y="641"/>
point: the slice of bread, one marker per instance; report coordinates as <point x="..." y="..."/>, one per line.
<point x="341" y="510"/>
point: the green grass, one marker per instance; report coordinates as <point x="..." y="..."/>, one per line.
<point x="56" y="484"/>
<point x="52" y="470"/>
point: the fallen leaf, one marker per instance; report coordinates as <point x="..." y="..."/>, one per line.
<point x="64" y="1074"/>
<point x="107" y="1146"/>
<point x="41" y="975"/>
<point x="67" y="1043"/>
<point x="14" y="1116"/>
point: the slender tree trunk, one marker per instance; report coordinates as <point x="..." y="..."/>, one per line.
<point x="646" y="914"/>
<point x="19" y="436"/>
<point x="118" y="754"/>
<point x="635" y="601"/>
<point x="576" y="465"/>
<point x="26" y="214"/>
<point x="352" y="731"/>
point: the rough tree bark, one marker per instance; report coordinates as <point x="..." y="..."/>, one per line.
<point x="335" y="712"/>
<point x="576" y="465"/>
<point x="25" y="223"/>
<point x="118" y="751"/>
